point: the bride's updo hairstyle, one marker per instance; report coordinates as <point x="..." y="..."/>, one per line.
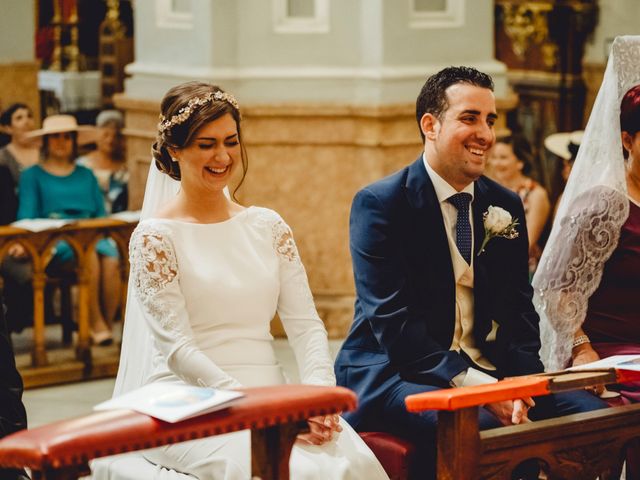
<point x="185" y="109"/>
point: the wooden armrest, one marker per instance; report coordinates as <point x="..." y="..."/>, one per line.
<point x="517" y="387"/>
<point x="463" y="397"/>
<point x="73" y="442"/>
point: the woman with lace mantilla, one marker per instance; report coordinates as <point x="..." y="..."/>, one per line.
<point x="589" y="277"/>
<point x="207" y="277"/>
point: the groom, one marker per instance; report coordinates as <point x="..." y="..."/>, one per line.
<point x="434" y="309"/>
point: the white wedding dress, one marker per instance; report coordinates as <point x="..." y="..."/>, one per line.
<point x="208" y="294"/>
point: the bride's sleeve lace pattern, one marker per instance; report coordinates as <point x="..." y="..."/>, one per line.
<point x="153" y="268"/>
<point x="279" y="231"/>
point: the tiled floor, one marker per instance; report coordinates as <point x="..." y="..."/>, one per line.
<point x="48" y="404"/>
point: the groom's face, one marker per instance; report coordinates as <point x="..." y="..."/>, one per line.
<point x="458" y="142"/>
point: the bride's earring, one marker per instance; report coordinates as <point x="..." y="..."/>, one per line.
<point x="174" y="159"/>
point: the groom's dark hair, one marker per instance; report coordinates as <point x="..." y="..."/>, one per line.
<point x="433" y="98"/>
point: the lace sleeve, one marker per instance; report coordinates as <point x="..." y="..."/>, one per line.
<point x="567" y="277"/>
<point x="156" y="283"/>
<point x="305" y="331"/>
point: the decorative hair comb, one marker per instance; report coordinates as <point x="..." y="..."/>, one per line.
<point x="185" y="112"/>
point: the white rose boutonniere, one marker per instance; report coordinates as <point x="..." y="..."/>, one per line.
<point x="498" y="223"/>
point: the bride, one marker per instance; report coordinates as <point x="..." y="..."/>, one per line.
<point x="207" y="277"/>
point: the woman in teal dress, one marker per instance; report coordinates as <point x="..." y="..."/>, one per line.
<point x="58" y="188"/>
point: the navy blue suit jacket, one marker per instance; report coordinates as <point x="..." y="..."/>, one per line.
<point x="405" y="304"/>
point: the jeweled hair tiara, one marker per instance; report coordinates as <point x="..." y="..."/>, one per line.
<point x="185" y="112"/>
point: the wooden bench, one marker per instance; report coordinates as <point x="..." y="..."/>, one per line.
<point x="82" y="235"/>
<point x="275" y="415"/>
<point x="580" y="446"/>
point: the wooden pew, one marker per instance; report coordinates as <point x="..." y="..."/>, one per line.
<point x="82" y="235"/>
<point x="581" y="446"/>
<point x="275" y="415"/>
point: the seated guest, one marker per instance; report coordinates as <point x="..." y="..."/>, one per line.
<point x="58" y="188"/>
<point x="437" y="304"/>
<point x="565" y="146"/>
<point x="13" y="416"/>
<point x="107" y="161"/>
<point x="21" y="152"/>
<point x="589" y="277"/>
<point x="108" y="164"/>
<point x="511" y="162"/>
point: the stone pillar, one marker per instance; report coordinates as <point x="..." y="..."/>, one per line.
<point x="18" y="67"/>
<point x="327" y="90"/>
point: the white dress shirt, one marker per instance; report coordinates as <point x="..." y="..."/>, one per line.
<point x="463" y="273"/>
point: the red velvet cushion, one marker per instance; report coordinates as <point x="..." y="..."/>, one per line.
<point x="394" y="453"/>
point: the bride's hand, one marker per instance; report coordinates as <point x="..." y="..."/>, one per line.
<point x="321" y="429"/>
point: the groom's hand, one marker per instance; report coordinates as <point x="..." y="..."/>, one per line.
<point x="521" y="408"/>
<point x="321" y="429"/>
<point x="511" y="412"/>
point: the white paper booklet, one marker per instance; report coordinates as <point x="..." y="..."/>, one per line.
<point x="171" y="402"/>
<point x="622" y="362"/>
<point x="40" y="224"/>
<point x="127" y="216"/>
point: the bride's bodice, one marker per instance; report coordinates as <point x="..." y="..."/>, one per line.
<point x="210" y="291"/>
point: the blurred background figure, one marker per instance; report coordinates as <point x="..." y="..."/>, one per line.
<point x="58" y="188"/>
<point x="565" y="146"/>
<point x="19" y="152"/>
<point x="510" y="161"/>
<point x="108" y="161"/>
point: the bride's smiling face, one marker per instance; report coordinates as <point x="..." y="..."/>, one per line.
<point x="214" y="153"/>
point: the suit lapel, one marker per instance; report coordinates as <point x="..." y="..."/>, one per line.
<point x="432" y="236"/>
<point x="431" y="249"/>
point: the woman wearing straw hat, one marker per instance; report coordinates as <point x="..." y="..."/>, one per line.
<point x="58" y="188"/>
<point x="565" y="146"/>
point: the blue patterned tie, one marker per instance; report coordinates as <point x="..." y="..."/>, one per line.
<point x="463" y="227"/>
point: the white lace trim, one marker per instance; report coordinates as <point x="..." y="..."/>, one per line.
<point x="283" y="242"/>
<point x="562" y="294"/>
<point x="625" y="54"/>
<point x="153" y="267"/>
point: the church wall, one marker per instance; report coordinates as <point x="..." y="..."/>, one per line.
<point x="18" y="69"/>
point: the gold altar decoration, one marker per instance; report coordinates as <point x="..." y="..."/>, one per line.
<point x="56" y="22"/>
<point x="65" y="57"/>
<point x="527" y="24"/>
